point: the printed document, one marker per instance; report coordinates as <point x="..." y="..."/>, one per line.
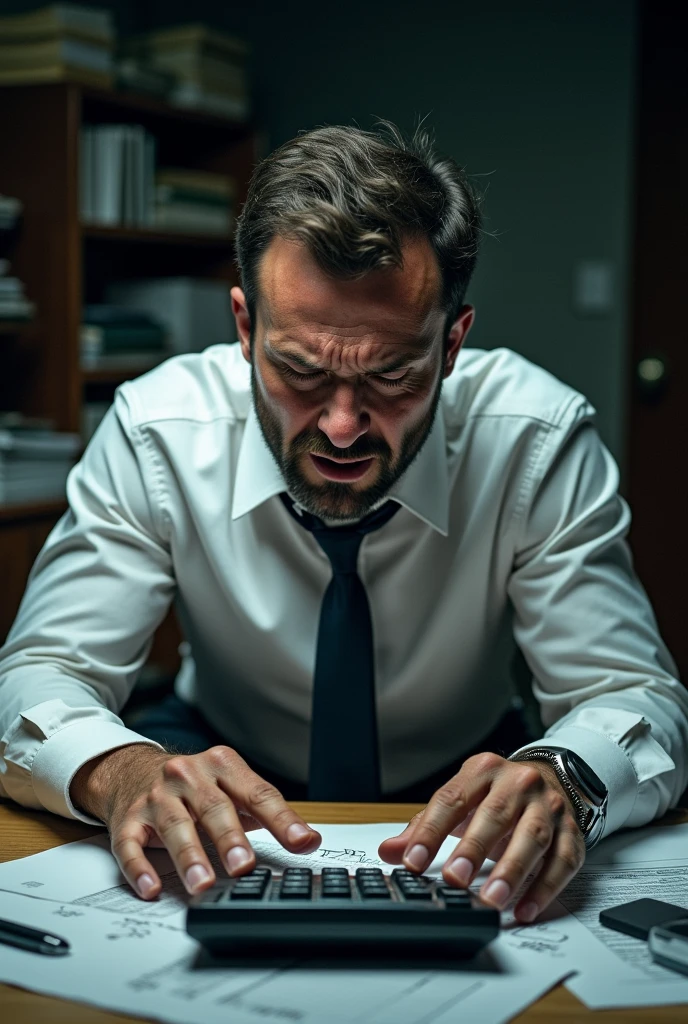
<point x="135" y="957"/>
<point x="631" y="865"/>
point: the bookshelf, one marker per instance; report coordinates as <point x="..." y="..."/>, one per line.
<point x="65" y="264"/>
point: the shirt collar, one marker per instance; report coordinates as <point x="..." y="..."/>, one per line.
<point x="423" y="489"/>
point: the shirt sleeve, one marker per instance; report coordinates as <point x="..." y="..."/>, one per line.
<point x="606" y="684"/>
<point x="97" y="592"/>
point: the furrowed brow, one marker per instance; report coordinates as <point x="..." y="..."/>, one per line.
<point x="397" y="364"/>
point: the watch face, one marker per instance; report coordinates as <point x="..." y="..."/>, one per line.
<point x="589" y="780"/>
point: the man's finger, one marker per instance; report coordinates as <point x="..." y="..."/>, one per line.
<point x="127" y="848"/>
<point x="392" y="850"/>
<point x="263" y="801"/>
<point x="532" y="837"/>
<point x="448" y="807"/>
<point x="564" y="859"/>
<point x="496" y="816"/>
<point x="220" y="820"/>
<point x="172" y="821"/>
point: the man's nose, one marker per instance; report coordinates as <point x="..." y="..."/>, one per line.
<point x="343" y="419"/>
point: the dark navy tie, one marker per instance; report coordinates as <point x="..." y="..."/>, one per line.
<point x="344" y="757"/>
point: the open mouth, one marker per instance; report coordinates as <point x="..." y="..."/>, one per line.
<point x="343" y="471"/>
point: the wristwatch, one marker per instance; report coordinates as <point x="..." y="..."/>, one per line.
<point x="586" y="791"/>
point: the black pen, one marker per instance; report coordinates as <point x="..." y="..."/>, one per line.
<point x="35" y="940"/>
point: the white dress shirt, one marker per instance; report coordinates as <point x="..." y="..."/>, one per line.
<point x="511" y="531"/>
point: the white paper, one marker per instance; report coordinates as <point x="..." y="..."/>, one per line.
<point x="135" y="957"/>
<point x="86" y="872"/>
<point x="649" y="862"/>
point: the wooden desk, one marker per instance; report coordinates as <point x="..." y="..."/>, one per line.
<point x="25" y="832"/>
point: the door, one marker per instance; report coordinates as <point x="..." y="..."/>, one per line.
<point x="658" y="438"/>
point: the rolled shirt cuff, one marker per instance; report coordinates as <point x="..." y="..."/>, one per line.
<point x="607" y="759"/>
<point x="61" y="756"/>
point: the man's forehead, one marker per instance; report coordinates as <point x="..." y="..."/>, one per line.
<point x="398" y="306"/>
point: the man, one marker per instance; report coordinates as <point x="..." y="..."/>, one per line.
<point x="357" y="520"/>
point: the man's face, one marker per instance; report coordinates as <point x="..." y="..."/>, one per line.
<point x="346" y="375"/>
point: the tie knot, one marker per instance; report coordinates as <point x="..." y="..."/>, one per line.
<point x="341" y="547"/>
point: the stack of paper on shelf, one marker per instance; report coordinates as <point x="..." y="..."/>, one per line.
<point x="135" y="75"/>
<point x="34" y="464"/>
<point x="196" y="312"/>
<point x="194" y="201"/>
<point x="113" y="337"/>
<point x="209" y="67"/>
<point x="57" y="43"/>
<point x="116" y="175"/>
<point x="13" y="303"/>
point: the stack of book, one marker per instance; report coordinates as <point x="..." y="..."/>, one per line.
<point x="35" y="464"/>
<point x="116" y="338"/>
<point x="194" y="201"/>
<point x="57" y="43"/>
<point x="116" y="175"/>
<point x="13" y="303"/>
<point x="209" y="67"/>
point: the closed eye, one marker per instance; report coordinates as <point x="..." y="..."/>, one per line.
<point x="297" y="375"/>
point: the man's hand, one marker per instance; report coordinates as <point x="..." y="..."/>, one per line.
<point x="146" y="796"/>
<point x="515" y="813"/>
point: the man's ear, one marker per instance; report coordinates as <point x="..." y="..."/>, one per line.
<point x="243" y="321"/>
<point x="457" y="334"/>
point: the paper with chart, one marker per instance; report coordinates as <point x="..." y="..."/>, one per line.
<point x="83" y="877"/>
<point x="649" y="862"/>
<point x="87" y="874"/>
<point x="136" y="958"/>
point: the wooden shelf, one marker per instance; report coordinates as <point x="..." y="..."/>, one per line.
<point x="33" y="510"/>
<point x="155" y="237"/>
<point x="136" y="103"/>
<point x="116" y="374"/>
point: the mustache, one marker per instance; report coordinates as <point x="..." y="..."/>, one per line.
<point x="318" y="444"/>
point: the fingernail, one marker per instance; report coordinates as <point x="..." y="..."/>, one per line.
<point x="195" y="876"/>
<point x="528" y="912"/>
<point x="461" y="870"/>
<point x="296" y="832"/>
<point x="145" y="885"/>
<point x="498" y="892"/>
<point x="417" y="857"/>
<point x="237" y="858"/>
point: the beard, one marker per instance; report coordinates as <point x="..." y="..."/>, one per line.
<point x="332" y="500"/>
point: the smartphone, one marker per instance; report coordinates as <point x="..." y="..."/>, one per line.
<point x="668" y="944"/>
<point x="639" y="916"/>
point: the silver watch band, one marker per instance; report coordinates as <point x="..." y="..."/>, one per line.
<point x="590" y="813"/>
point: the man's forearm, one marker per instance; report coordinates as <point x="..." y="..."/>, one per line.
<point x="93" y="786"/>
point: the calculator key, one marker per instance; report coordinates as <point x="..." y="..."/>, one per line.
<point x="448" y="893"/>
<point x="245" y="894"/>
<point x="417" y="894"/>
<point x="376" y="894"/>
<point x="369" y="872"/>
<point x="256" y="890"/>
<point x="335" y="873"/>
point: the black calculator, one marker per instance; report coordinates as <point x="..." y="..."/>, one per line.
<point x="298" y="912"/>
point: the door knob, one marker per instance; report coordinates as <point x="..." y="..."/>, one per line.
<point x="652" y="376"/>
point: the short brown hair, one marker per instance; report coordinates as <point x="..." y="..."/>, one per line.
<point x="352" y="196"/>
